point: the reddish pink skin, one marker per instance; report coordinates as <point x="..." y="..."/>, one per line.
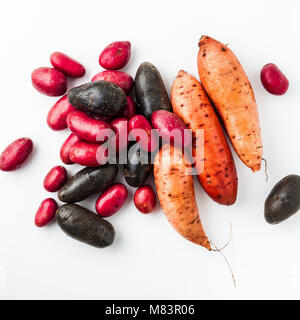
<point x="45" y="213"/>
<point x="111" y="200"/>
<point x="88" y="154"/>
<point x="57" y="115"/>
<point x="55" y="178"/>
<point x="15" y="154"/>
<point x="120" y="127"/>
<point x="49" y="81"/>
<point x="116" y="55"/>
<point x="119" y="78"/>
<point x="66" y="147"/>
<point x="273" y="80"/>
<point x="67" y="65"/>
<point x="140" y="122"/>
<point x="164" y="122"/>
<point x="145" y="199"/>
<point x="87" y="128"/>
<point x="130" y="109"/>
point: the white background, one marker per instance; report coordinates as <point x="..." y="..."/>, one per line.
<point x="148" y="260"/>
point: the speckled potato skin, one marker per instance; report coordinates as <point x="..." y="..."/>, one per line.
<point x="227" y="85"/>
<point x="175" y="190"/>
<point x="151" y="94"/>
<point x="192" y="106"/>
<point x="101" y="97"/>
<point x="84" y="225"/>
<point x="87" y="182"/>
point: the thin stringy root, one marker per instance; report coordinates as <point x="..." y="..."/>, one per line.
<point x="266" y="169"/>
<point x="216" y="249"/>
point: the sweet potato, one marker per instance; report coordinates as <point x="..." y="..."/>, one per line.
<point x="175" y="189"/>
<point x="227" y="85"/>
<point x="216" y="171"/>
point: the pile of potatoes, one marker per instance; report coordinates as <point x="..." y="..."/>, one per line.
<point x="102" y="116"/>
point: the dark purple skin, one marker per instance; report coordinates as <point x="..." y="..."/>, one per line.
<point x="101" y="97"/>
<point x="284" y="200"/>
<point x="273" y="80"/>
<point x="151" y="94"/>
<point x="85" y="226"/>
<point x="87" y="182"/>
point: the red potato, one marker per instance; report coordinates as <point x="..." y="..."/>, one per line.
<point x="87" y="128"/>
<point x="67" y="65"/>
<point x="228" y="87"/>
<point x="111" y="200"/>
<point x="55" y="178"/>
<point x="57" y="116"/>
<point x="175" y="190"/>
<point x="273" y="80"/>
<point x="170" y="128"/>
<point x="89" y="154"/>
<point x="120" y="127"/>
<point x="45" y="213"/>
<point x="141" y="130"/>
<point x="66" y="147"/>
<point x="215" y="165"/>
<point x="116" y="55"/>
<point x="119" y="78"/>
<point x="130" y="109"/>
<point x="145" y="199"/>
<point x="15" y="154"/>
<point x="49" y="81"/>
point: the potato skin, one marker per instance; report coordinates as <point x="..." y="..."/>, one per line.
<point x="145" y="199"/>
<point x="284" y="200"/>
<point x="273" y="80"/>
<point x="116" y="55"/>
<point x="111" y="200"/>
<point x="66" y="147"/>
<point x="57" y="115"/>
<point x="227" y="85"/>
<point x="88" y="128"/>
<point x="55" y="178"/>
<point x="67" y="65"/>
<point x="165" y="122"/>
<point x="151" y="94"/>
<point x="175" y="190"/>
<point x="102" y="98"/>
<point x="45" y="213"/>
<point x="216" y="172"/>
<point x="85" y="226"/>
<point x="119" y="78"/>
<point x="135" y="172"/>
<point x="87" y="182"/>
<point x="49" y="81"/>
<point x="15" y="154"/>
<point x="130" y="109"/>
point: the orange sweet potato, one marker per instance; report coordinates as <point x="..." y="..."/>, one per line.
<point x="216" y="168"/>
<point x="227" y="85"/>
<point x="175" y="190"/>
